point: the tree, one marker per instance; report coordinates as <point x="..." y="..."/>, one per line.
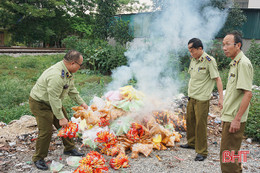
<point x="33" y="21"/>
<point x="81" y="21"/>
<point x="235" y="20"/>
<point x="120" y="31"/>
<point x="106" y="10"/>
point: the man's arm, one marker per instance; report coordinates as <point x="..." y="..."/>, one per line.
<point x="235" y="124"/>
<point x="220" y="92"/>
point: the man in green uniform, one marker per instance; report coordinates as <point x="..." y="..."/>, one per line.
<point x="46" y="104"/>
<point x="203" y="74"/>
<point x="237" y="98"/>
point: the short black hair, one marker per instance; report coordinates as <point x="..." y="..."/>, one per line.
<point x="237" y="37"/>
<point x="196" y="43"/>
<point x="72" y="55"/>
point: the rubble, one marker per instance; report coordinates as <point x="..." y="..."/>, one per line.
<point x="21" y="128"/>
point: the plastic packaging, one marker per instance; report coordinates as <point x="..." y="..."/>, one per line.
<point x="73" y="161"/>
<point x="56" y="166"/>
<point x="121" y="125"/>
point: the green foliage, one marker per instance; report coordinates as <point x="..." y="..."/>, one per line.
<point x="235" y="20"/>
<point x="32" y="22"/>
<point x="184" y="78"/>
<point x="253" y="53"/>
<point x="256" y="80"/>
<point x="99" y="56"/>
<point x="105" y="13"/>
<point x="252" y="129"/>
<point x="216" y="51"/>
<point x="120" y="31"/>
<point x="132" y="6"/>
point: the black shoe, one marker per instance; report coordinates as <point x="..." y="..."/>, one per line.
<point x="186" y="146"/>
<point x="40" y="164"/>
<point x="200" y="157"/>
<point x="73" y="152"/>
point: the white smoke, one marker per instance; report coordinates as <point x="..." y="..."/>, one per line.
<point x="152" y="63"/>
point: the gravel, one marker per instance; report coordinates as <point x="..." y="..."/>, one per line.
<point x="175" y="159"/>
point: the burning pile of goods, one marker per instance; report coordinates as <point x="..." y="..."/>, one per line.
<point x="113" y="125"/>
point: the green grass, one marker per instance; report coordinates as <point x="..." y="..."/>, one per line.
<point x="19" y="74"/>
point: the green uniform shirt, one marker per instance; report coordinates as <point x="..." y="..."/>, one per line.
<point x="240" y="78"/>
<point x="202" y="77"/>
<point x="53" y="85"/>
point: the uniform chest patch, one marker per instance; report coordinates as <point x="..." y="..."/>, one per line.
<point x="201" y="68"/>
<point x="232" y="75"/>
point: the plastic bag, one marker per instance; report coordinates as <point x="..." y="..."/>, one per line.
<point x="73" y="161"/>
<point x="146" y="149"/>
<point x="121" y="125"/>
<point x="88" y="136"/>
<point x="129" y="93"/>
<point x="126" y="105"/>
<point x="99" y="102"/>
<point x="56" y="166"/>
<point x="113" y="96"/>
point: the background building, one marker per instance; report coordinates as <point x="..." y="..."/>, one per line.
<point x="248" y="3"/>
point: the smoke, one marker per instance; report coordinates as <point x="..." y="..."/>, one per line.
<point x="154" y="62"/>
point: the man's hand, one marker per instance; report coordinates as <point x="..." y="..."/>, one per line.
<point x="234" y="126"/>
<point x="85" y="106"/>
<point x="63" y="122"/>
<point x="220" y="103"/>
<point x="220" y="92"/>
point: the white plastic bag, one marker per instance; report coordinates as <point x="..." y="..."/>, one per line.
<point x="56" y="166"/>
<point x="73" y="161"/>
<point x="99" y="102"/>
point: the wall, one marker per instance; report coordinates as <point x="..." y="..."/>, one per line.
<point x="254" y="4"/>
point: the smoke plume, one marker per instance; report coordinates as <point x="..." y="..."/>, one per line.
<point x="152" y="62"/>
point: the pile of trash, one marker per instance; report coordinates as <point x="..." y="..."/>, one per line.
<point x="114" y="124"/>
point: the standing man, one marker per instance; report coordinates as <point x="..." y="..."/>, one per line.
<point x="46" y="104"/>
<point x="237" y="98"/>
<point x="203" y="74"/>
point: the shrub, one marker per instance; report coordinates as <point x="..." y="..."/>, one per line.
<point x="253" y="53"/>
<point x="121" y="32"/>
<point x="216" y="51"/>
<point x="99" y="56"/>
<point x="252" y="129"/>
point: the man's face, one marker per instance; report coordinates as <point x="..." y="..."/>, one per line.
<point x="75" y="66"/>
<point x="230" y="48"/>
<point x="195" y="53"/>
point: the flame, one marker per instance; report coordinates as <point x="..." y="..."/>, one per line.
<point x="166" y="117"/>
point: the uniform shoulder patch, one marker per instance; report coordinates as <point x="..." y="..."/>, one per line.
<point x="62" y="74"/>
<point x="208" y="58"/>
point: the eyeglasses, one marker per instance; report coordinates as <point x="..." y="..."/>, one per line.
<point x="78" y="63"/>
<point x="225" y="45"/>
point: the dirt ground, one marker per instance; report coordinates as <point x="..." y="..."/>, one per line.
<point x="17" y="145"/>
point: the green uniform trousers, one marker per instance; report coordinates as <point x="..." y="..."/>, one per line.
<point x="45" y="119"/>
<point x="229" y="142"/>
<point x="197" y="119"/>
